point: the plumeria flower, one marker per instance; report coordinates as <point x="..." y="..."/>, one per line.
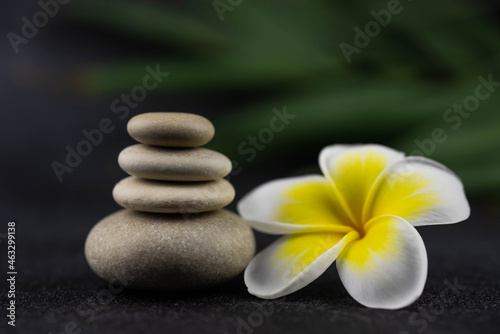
<point x="362" y="214"/>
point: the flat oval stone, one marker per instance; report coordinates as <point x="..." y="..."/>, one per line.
<point x="169" y="252"/>
<point x="171" y="129"/>
<point x="174" y="164"/>
<point x="173" y="197"/>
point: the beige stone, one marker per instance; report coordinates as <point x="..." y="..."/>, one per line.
<point x="174" y="164"/>
<point x="169" y="252"/>
<point x="173" y="197"/>
<point x="171" y="129"/>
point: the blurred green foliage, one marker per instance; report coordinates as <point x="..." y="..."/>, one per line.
<point x="396" y="91"/>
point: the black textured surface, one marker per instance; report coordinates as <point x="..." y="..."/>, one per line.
<point x="58" y="293"/>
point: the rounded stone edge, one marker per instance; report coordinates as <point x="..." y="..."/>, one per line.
<point x="204" y="138"/>
<point x="139" y="203"/>
<point x="211" y="175"/>
<point x="129" y="282"/>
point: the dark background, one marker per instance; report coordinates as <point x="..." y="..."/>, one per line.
<point x="57" y="86"/>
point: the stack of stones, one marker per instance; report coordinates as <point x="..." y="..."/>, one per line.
<point x="173" y="233"/>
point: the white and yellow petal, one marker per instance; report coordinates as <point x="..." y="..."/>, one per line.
<point x="353" y="170"/>
<point x="294" y="205"/>
<point x="421" y="191"/>
<point x="387" y="268"/>
<point x="293" y="261"/>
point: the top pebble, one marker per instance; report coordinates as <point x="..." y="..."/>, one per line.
<point x="171" y="129"/>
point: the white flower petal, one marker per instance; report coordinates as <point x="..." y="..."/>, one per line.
<point x="353" y="170"/>
<point x="421" y="191"/>
<point x="292" y="262"/>
<point x="387" y="268"/>
<point x="294" y="205"/>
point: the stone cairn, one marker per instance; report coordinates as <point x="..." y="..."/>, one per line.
<point x="173" y="233"/>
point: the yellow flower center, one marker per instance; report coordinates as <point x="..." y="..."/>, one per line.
<point x="353" y="196"/>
